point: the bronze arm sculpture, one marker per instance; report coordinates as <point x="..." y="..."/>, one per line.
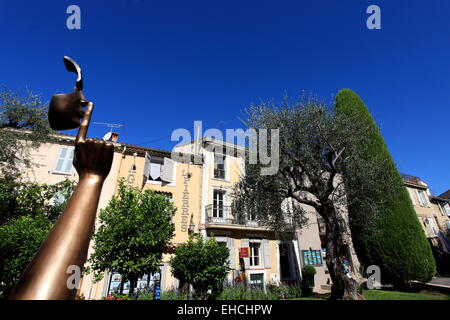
<point x="45" y="278"/>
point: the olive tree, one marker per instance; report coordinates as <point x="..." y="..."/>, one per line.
<point x="312" y="143"/>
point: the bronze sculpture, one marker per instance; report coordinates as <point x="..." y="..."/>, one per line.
<point x="45" y="278"/>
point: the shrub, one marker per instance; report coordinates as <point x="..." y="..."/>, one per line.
<point x="283" y="291"/>
<point x="308" y="271"/>
<point x="173" y="295"/>
<point x="203" y="264"/>
<point x="20" y="238"/>
<point x="273" y="292"/>
<point x="117" y="296"/>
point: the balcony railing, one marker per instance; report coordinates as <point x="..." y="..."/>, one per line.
<point x="222" y="215"/>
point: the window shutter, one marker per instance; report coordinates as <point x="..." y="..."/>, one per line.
<point x="145" y="173"/>
<point x="232" y="253"/>
<point x="61" y="158"/>
<point x="245" y="244"/>
<point x="447" y="209"/>
<point x="69" y="160"/>
<point x="434" y="226"/>
<point x="430" y="226"/>
<point x="168" y="170"/>
<point x="411" y="196"/>
<point x="266" y="253"/>
<point x="65" y="159"/>
<point x="420" y="198"/>
<point x="427" y="199"/>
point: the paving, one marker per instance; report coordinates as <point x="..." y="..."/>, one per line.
<point x="441" y="281"/>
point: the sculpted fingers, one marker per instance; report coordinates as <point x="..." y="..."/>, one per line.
<point x="82" y="131"/>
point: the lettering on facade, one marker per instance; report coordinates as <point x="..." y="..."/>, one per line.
<point x="130" y="179"/>
<point x="185" y="204"/>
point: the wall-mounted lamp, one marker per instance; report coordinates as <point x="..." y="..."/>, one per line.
<point x="191" y="229"/>
<point x="133" y="167"/>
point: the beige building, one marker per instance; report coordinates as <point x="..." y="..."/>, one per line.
<point x="271" y="261"/>
<point x="433" y="212"/>
<point x="201" y="190"/>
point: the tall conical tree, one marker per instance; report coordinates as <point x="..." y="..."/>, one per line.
<point x="394" y="240"/>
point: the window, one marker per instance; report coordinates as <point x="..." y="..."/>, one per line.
<point x="156" y="165"/>
<point x="64" y="162"/>
<point x="251" y="216"/>
<point x="219" y="167"/>
<point x="423" y="198"/>
<point x="255" y="257"/>
<point x="218" y="199"/>
<point x="432" y="226"/>
<point x="447" y="209"/>
<point x="159" y="169"/>
<point x="257" y="280"/>
<point x="312" y="257"/>
<point x="146" y="282"/>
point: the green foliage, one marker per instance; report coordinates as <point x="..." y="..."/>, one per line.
<point x="394" y="240"/>
<point x="25" y="221"/>
<point x="397" y="295"/>
<point x="19" y="240"/>
<point x="20" y="111"/>
<point x="315" y="144"/>
<point x="117" y="296"/>
<point x="27" y="209"/>
<point x="136" y="228"/>
<point x="34" y="199"/>
<point x="283" y="291"/>
<point x="173" y="295"/>
<point x="308" y="271"/>
<point x="307" y="283"/>
<point x="204" y="264"/>
<point x="273" y="292"/>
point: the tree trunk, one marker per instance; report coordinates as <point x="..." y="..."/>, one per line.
<point x="122" y="283"/>
<point x="346" y="286"/>
<point x="133" y="285"/>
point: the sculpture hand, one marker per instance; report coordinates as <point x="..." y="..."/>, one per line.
<point x="93" y="158"/>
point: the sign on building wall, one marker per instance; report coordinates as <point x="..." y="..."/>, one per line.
<point x="244" y="252"/>
<point x="185" y="203"/>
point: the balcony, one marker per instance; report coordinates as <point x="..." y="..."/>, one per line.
<point x="222" y="216"/>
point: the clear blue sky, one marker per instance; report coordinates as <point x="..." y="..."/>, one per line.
<point x="155" y="66"/>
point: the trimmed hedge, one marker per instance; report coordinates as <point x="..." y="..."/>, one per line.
<point x="396" y="241"/>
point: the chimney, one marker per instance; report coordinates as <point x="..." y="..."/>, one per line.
<point x="114" y="136"/>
